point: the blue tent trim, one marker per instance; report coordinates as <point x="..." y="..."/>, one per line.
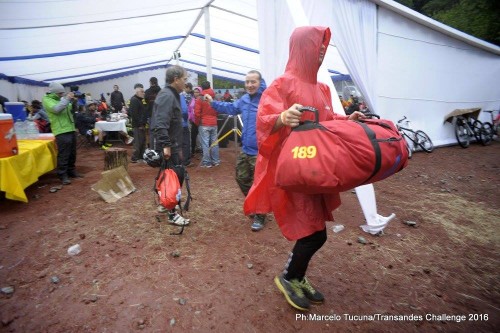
<point x="339" y="76"/>
<point x="220" y="41"/>
<point x="112" y="47"/>
<point x="20" y="80"/>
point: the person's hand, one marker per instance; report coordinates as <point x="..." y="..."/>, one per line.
<point x="357" y="115"/>
<point x="70" y="95"/>
<point x="208" y="98"/>
<point x="166" y="153"/>
<point x="291" y="117"/>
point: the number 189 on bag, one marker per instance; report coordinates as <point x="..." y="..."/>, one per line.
<point x="304" y="152"/>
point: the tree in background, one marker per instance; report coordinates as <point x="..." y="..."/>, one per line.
<point x="479" y="18"/>
<point x="220" y="83"/>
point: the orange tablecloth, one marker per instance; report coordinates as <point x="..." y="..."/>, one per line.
<point x="35" y="158"/>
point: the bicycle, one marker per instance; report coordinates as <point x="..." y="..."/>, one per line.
<point x="493" y="128"/>
<point x="467" y="127"/>
<point x="417" y="138"/>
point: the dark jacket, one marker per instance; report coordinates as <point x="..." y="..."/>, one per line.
<point x="138" y="111"/>
<point x="84" y="122"/>
<point x="166" y="120"/>
<point x="117" y="100"/>
<point x="150" y="96"/>
<point x="246" y="106"/>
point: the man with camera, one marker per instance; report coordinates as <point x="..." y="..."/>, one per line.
<point x="58" y="105"/>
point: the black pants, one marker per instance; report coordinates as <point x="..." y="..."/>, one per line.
<point x="194" y="134"/>
<point x="139" y="143"/>
<point x="177" y="166"/>
<point x="186" y="146"/>
<point x="66" y="153"/>
<point x="302" y="253"/>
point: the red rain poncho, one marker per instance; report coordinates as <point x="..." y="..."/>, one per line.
<point x="298" y="215"/>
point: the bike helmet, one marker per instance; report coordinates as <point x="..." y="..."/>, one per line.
<point x="152" y="158"/>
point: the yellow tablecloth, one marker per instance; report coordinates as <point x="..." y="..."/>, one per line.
<point x="35" y="158"/>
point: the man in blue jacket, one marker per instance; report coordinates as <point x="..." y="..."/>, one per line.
<point x="246" y="106"/>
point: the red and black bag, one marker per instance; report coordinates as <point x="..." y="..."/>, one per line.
<point x="168" y="188"/>
<point x="339" y="155"/>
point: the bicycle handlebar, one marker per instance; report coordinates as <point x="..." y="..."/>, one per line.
<point x="400" y="120"/>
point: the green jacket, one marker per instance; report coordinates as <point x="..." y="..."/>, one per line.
<point x="60" y="115"/>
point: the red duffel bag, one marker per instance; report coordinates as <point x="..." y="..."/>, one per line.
<point x="339" y="155"/>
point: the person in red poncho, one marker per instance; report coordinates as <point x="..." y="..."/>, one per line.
<point x="301" y="217"/>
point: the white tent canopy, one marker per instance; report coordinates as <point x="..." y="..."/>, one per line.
<point x="403" y="62"/>
<point x="77" y="41"/>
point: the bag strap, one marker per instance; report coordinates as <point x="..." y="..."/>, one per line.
<point x="188" y="188"/>
<point x="376" y="148"/>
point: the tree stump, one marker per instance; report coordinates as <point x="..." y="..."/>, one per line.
<point x="115" y="157"/>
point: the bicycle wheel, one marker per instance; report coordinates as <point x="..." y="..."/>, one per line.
<point x="462" y="132"/>
<point x="487" y="134"/>
<point x="424" y="141"/>
<point x="477" y="128"/>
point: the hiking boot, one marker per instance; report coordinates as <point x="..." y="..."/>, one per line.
<point x="293" y="293"/>
<point x="65" y="180"/>
<point x="177" y="219"/>
<point x="258" y="222"/>
<point x="312" y="294"/>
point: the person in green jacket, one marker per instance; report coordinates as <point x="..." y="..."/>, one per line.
<point x="58" y="105"/>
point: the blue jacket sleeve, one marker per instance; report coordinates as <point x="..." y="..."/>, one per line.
<point x="232" y="108"/>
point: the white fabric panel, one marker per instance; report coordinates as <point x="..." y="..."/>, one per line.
<point x="425" y="75"/>
<point x="276" y="24"/>
<point x="275" y="27"/>
<point x="354" y="25"/>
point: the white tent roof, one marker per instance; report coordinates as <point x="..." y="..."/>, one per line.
<point x="75" y="41"/>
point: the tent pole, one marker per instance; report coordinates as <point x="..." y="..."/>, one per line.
<point x="208" y="48"/>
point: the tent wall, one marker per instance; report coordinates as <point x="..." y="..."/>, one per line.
<point x="424" y="75"/>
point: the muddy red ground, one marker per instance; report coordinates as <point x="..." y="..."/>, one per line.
<point x="126" y="278"/>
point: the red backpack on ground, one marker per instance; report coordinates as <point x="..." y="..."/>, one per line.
<point x="338" y="155"/>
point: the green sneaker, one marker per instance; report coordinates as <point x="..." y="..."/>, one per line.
<point x="312" y="294"/>
<point x="293" y="293"/>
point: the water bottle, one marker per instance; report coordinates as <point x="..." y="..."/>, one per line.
<point x="20" y="129"/>
<point x="31" y="130"/>
<point x="338" y="228"/>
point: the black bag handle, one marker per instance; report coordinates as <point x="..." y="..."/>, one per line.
<point x="311" y="109"/>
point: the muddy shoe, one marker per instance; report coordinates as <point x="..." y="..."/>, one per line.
<point x="312" y="294"/>
<point x="65" y="180"/>
<point x="177" y="220"/>
<point x="258" y="222"/>
<point x="293" y="292"/>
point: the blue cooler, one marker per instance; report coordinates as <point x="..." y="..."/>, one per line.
<point x="16" y="109"/>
